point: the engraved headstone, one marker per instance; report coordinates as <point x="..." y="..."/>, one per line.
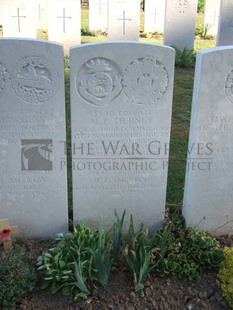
<point x="32" y="134"/>
<point x="180" y="21"/>
<point x="211" y="16"/>
<point x="154" y="15"/>
<point x="19" y="19"/>
<point x="41" y="8"/>
<point x="225" y="28"/>
<point x="98" y="16"/>
<point x="123" y="20"/>
<point x="64" y="22"/>
<point x="121" y="97"/>
<point x="208" y="187"/>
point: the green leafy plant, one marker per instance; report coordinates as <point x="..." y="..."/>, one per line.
<point x="201" y="6"/>
<point x="17" y="276"/>
<point x="78" y="261"/>
<point x="137" y="253"/>
<point x="202" y="32"/>
<point x="225" y="275"/>
<point x="83" y="259"/>
<point x="185" y="58"/>
<point x="186" y="252"/>
<point x="86" y="32"/>
<point x="116" y="235"/>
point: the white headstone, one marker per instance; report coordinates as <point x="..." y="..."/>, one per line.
<point x="180" y="21"/>
<point x="33" y="191"/>
<point x="124" y="20"/>
<point x="154" y="15"/>
<point x="225" y="29"/>
<point x="121" y="97"/>
<point x="211" y="16"/>
<point x="1" y="15"/>
<point x="19" y="19"/>
<point x="209" y="187"/>
<point x="64" y="18"/>
<point x="41" y="8"/>
<point x="98" y="16"/>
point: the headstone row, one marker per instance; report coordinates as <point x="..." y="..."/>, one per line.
<point x="121" y="97"/>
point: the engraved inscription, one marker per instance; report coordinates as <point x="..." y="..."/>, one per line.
<point x="229" y="86"/>
<point x="99" y="81"/>
<point x="4" y="76"/>
<point x="145" y="81"/>
<point x="35" y="79"/>
<point x="182" y="5"/>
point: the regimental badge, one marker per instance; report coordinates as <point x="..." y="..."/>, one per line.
<point x="99" y="81"/>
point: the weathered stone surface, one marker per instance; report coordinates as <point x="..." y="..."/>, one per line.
<point x="180" y="20"/>
<point x="33" y="193"/>
<point x="209" y="188"/>
<point x="121" y="97"/>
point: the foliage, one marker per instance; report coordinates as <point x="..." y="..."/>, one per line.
<point x="185" y="58"/>
<point x="137" y="253"/>
<point x="83" y="259"/>
<point x="86" y="32"/>
<point x="185" y="252"/>
<point x="202" y="32"/>
<point x="201" y="6"/>
<point x="78" y="261"/>
<point x="225" y="276"/>
<point x="18" y="276"/>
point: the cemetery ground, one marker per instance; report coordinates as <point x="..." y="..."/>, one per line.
<point x="159" y="293"/>
<point x="166" y="292"/>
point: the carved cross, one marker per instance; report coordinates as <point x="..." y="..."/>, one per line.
<point x="215" y="17"/>
<point x="155" y="13"/>
<point x="39" y="11"/>
<point x="64" y="17"/>
<point x="18" y="16"/>
<point x="124" y="20"/>
<point x="100" y="3"/>
<point x="5" y="233"/>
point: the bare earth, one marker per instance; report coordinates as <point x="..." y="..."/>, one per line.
<point x="159" y="294"/>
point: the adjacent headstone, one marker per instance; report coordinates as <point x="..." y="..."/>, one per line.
<point x="123" y="20"/>
<point x="154" y="16"/>
<point x="225" y="29"/>
<point x="64" y="22"/>
<point x="19" y="19"/>
<point x="211" y="16"/>
<point x="121" y="97"/>
<point x="209" y="187"/>
<point x="180" y="21"/>
<point x="41" y="8"/>
<point x="33" y="190"/>
<point x="98" y="15"/>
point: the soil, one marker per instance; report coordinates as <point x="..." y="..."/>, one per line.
<point x="166" y="293"/>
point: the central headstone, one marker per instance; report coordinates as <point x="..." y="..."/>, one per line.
<point x="33" y="192"/>
<point x="180" y="21"/>
<point x="121" y="98"/>
<point x="123" y="19"/>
